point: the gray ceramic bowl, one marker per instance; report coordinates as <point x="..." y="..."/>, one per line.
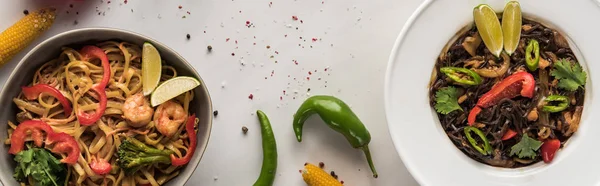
<point x="50" y="48"/>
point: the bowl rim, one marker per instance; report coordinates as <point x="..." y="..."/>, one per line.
<point x="387" y="82"/>
<point x="185" y="63"/>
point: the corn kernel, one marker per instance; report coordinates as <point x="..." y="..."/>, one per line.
<point x="19" y="35"/>
<point x="315" y="176"/>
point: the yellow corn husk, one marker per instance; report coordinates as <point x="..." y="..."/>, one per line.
<point x="18" y="36"/>
<point x="315" y="176"/>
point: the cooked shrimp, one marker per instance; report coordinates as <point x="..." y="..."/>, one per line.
<point x="137" y="110"/>
<point x="168" y="117"/>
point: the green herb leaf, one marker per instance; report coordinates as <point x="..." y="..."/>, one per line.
<point x="39" y="164"/>
<point x="447" y="100"/>
<point x="571" y="76"/>
<point x="526" y="147"/>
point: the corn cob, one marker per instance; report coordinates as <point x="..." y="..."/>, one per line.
<point x="315" y="176"/>
<point x="22" y="33"/>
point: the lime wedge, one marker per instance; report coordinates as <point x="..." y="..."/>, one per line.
<point x="151" y="68"/>
<point x="511" y="26"/>
<point x="172" y="88"/>
<point x="489" y="28"/>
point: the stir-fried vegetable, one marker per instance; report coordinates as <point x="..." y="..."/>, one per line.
<point x="563" y="103"/>
<point x="495" y="71"/>
<point x="549" y="148"/>
<point x="520" y="83"/>
<point x="484" y="148"/>
<point x="447" y="100"/>
<point x="526" y="147"/>
<point x="462" y="75"/>
<point x="533" y="48"/>
<point x="134" y="155"/>
<point x="189" y="128"/>
<point x="571" y="75"/>
<point x="39" y="167"/>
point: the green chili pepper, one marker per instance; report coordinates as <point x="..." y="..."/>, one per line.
<point x="563" y="103"/>
<point x="269" y="164"/>
<point x="487" y="148"/>
<point x="532" y="61"/>
<point x="468" y="77"/>
<point x="338" y="116"/>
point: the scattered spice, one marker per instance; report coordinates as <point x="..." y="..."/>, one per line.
<point x="308" y="90"/>
<point x="321" y="164"/>
<point x="26" y="12"/>
<point x="294" y="18"/>
<point x="268" y="46"/>
<point x="232" y="54"/>
<point x="334" y="175"/>
<point x="227" y="40"/>
<point x="75" y="22"/>
<point x="245" y="129"/>
<point x="314" y="39"/>
<point x="188" y="36"/>
<point x="209" y="48"/>
<point x="71" y="5"/>
<point x="342" y="182"/>
<point x="252" y="96"/>
<point x="215" y="113"/>
<point x="301" y="21"/>
<point x="180" y="6"/>
<point x="189" y="13"/>
<point x="125" y="1"/>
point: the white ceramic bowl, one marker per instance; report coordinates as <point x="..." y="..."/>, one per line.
<point x="418" y="137"/>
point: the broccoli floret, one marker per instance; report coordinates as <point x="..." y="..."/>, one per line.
<point x="134" y="155"/>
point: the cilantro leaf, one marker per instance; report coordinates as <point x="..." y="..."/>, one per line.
<point x="447" y="100"/>
<point x="571" y="76"/>
<point x="526" y="147"/>
<point x="40" y="166"/>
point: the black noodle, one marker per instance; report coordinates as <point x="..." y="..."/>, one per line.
<point x="508" y="113"/>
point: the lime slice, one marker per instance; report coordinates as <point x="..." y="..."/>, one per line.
<point x="172" y="88"/>
<point x="489" y="28"/>
<point x="511" y="26"/>
<point x="151" y="68"/>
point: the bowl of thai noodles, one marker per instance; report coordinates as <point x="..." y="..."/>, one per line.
<point x="91" y="107"/>
<point x="496" y="94"/>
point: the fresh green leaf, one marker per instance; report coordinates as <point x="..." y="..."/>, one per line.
<point x="447" y="100"/>
<point x="571" y="76"/>
<point x="526" y="147"/>
<point x="41" y="166"/>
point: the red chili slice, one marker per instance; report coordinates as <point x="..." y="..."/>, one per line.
<point x="509" y="134"/>
<point x="33" y="92"/>
<point x="94" y="52"/>
<point x="64" y="143"/>
<point x="189" y="128"/>
<point x="17" y="139"/>
<point x="549" y="149"/>
<point x="520" y="83"/>
<point x="100" y="166"/>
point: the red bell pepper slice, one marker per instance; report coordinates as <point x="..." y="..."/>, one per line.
<point x="64" y="143"/>
<point x="520" y="83"/>
<point x="549" y="149"/>
<point x="100" y="166"/>
<point x="34" y="91"/>
<point x="509" y="134"/>
<point x="17" y="139"/>
<point x="189" y="128"/>
<point x="95" y="52"/>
